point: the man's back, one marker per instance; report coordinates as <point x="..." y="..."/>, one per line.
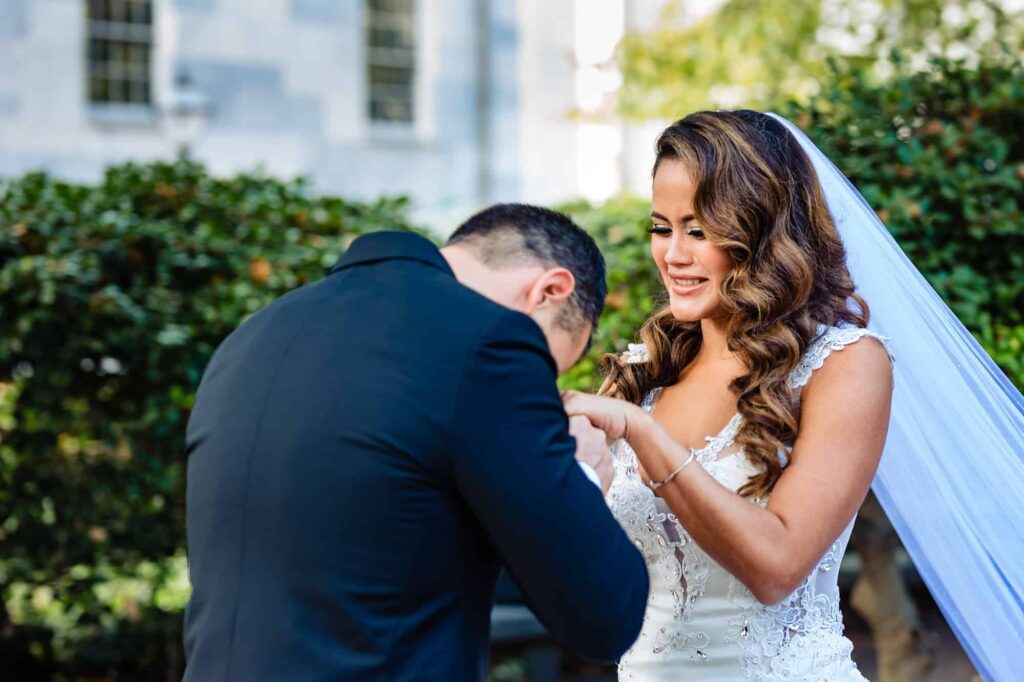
<point x="330" y="531"/>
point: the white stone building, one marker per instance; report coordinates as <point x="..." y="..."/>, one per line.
<point x="456" y="103"/>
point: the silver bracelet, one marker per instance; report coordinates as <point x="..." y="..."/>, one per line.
<point x="657" y="484"/>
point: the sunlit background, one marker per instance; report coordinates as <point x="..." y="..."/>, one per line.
<point x="454" y="103"/>
<point x="168" y="167"/>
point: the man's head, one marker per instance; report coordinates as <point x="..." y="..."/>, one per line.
<point x="538" y="262"/>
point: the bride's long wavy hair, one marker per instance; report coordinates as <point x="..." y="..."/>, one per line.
<point x="756" y="196"/>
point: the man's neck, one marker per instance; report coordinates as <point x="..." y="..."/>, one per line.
<point x="467" y="268"/>
<point x="505" y="286"/>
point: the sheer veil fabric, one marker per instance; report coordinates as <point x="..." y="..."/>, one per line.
<point x="952" y="476"/>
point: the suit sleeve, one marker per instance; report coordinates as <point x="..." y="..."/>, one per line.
<point x="514" y="465"/>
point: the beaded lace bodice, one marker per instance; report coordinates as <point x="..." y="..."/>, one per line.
<point x="701" y="622"/>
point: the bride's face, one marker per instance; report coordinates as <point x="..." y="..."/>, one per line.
<point x="691" y="267"/>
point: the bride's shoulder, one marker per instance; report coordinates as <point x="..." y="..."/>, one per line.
<point x="840" y="336"/>
<point x="865" y="358"/>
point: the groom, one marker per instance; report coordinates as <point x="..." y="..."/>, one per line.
<point x="365" y="452"/>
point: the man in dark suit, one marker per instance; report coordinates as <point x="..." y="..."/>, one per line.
<point x="366" y="451"/>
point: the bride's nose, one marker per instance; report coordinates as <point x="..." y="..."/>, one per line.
<point x="679" y="252"/>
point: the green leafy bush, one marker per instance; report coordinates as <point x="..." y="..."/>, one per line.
<point x="940" y="155"/>
<point x="113" y="298"/>
<point x="619" y="227"/>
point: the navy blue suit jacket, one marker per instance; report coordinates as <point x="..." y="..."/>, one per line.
<point x="363" y="455"/>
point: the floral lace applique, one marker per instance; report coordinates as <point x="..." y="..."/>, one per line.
<point x="717" y="444"/>
<point x="666" y="547"/>
<point x="681" y="640"/>
<point x="799" y="639"/>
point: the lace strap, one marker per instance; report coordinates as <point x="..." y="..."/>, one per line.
<point x="829" y="339"/>
<point x="652" y="396"/>
<point x="718" y="443"/>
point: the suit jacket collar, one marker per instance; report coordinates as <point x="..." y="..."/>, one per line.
<point x="378" y="246"/>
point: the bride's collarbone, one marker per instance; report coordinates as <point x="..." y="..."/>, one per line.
<point x="693" y="411"/>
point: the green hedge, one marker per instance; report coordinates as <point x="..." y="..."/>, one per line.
<point x="940" y="155"/>
<point x="620" y="228"/>
<point x="113" y="298"/>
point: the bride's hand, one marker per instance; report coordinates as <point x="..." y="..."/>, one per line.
<point x="608" y="414"/>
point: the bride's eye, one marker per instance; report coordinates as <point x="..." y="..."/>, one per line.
<point x="695" y="232"/>
<point x="660" y="230"/>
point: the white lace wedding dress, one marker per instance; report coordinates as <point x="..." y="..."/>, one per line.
<point x="701" y="622"/>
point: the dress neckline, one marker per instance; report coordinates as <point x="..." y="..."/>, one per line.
<point x="813" y="358"/>
<point x="715" y="443"/>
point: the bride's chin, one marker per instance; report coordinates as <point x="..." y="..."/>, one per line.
<point x="686" y="309"/>
<point x="684" y="315"/>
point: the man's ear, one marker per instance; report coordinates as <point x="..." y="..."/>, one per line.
<point x="550" y="288"/>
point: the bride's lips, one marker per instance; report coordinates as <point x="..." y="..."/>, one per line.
<point x="685" y="286"/>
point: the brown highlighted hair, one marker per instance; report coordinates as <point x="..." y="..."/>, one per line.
<point x="756" y="196"/>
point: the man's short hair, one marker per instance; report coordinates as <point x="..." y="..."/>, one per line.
<point x="509" y="234"/>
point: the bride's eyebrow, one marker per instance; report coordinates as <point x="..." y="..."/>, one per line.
<point x="689" y="217"/>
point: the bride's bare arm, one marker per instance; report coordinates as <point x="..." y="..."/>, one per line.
<point x="844" y="420"/>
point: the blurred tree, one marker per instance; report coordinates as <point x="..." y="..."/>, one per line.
<point x="751" y="53"/>
<point x="113" y="298"/>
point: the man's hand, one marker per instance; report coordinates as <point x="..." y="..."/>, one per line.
<point x="592" y="449"/>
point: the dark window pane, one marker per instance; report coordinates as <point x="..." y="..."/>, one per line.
<point x="397" y="110"/>
<point x="141" y="13"/>
<point x="139" y="93"/>
<point x="136" y="8"/>
<point x="388" y="106"/>
<point x="97" y="50"/>
<point x="137" y="72"/>
<point x="98" y="89"/>
<point x="379" y="5"/>
<point x="394" y="56"/>
<point x="390" y="75"/>
<point x="391" y="37"/>
<point x="118" y="11"/>
<point x="391" y="111"/>
<point x="115" y="90"/>
<point x="390" y="7"/>
<point x="137" y="54"/>
<point x="390" y="41"/>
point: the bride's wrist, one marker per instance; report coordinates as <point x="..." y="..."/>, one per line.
<point x="659" y="453"/>
<point x="637" y="422"/>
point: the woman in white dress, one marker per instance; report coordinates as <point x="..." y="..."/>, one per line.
<point x="746" y="441"/>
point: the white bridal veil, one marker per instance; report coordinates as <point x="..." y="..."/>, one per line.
<point x="952" y="476"/>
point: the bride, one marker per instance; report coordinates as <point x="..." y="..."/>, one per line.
<point x="747" y="439"/>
